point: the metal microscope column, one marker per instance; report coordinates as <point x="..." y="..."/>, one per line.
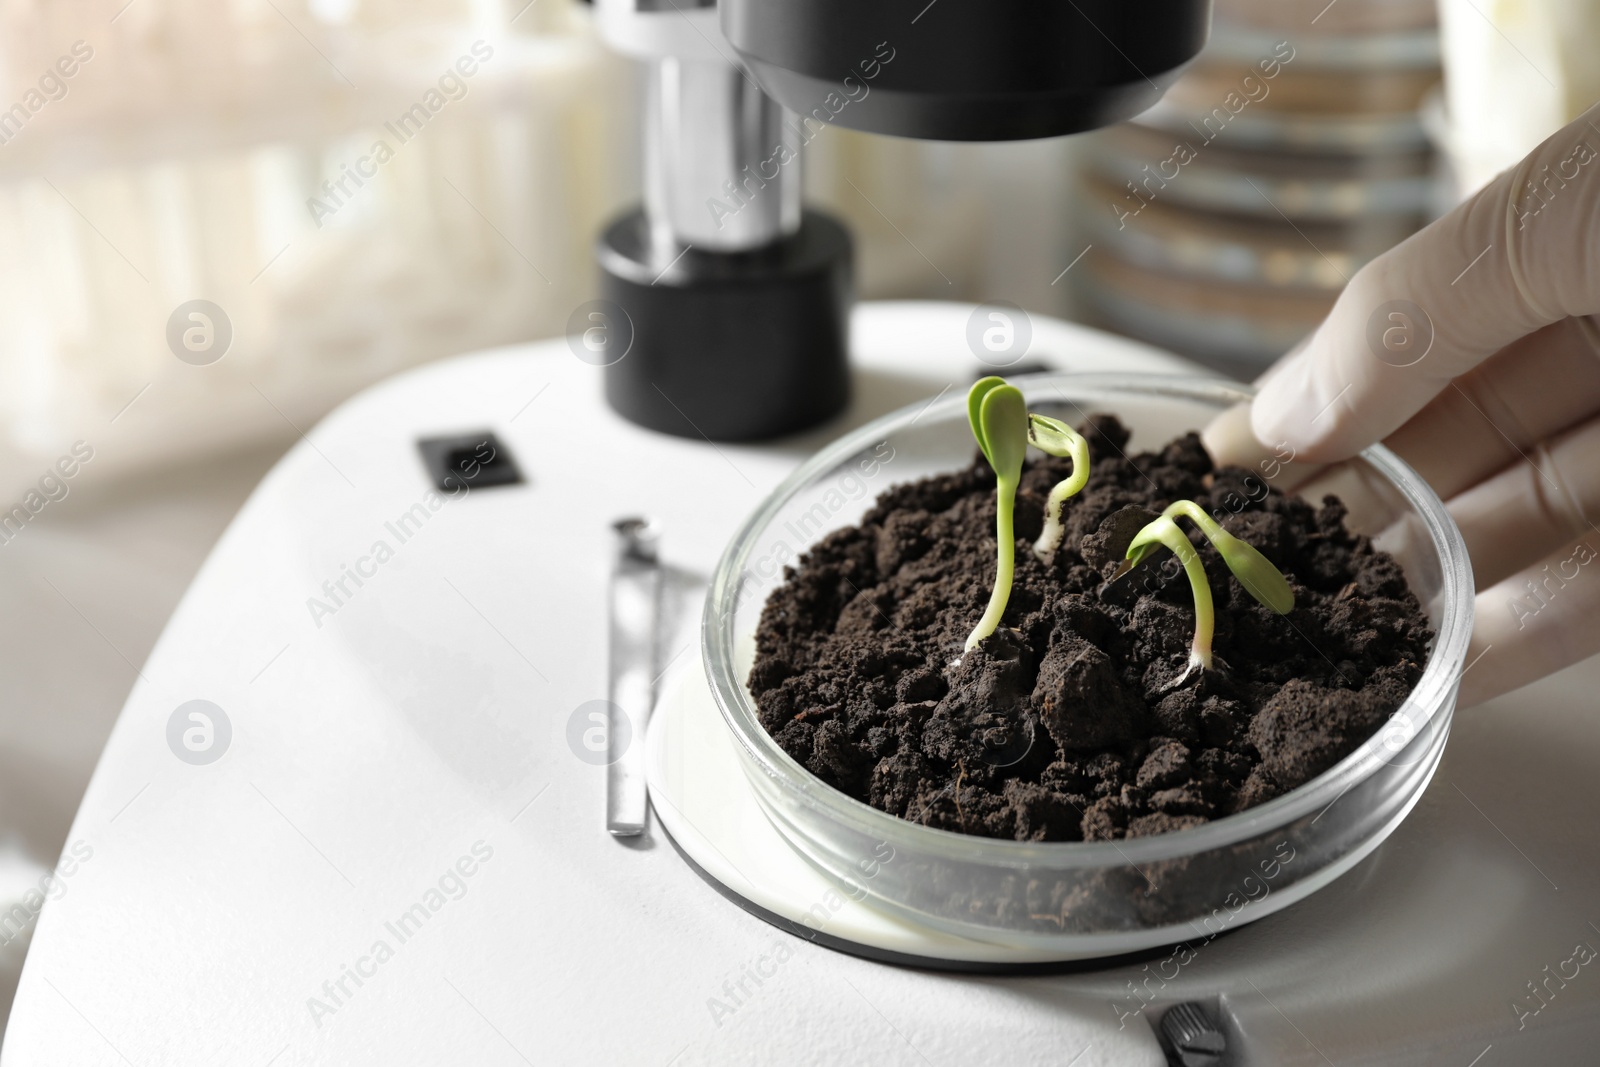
<point x="737" y="297"/>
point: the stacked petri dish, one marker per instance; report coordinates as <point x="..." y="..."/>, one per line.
<point x="1223" y="222"/>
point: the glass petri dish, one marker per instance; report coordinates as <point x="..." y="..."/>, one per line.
<point x="1083" y="899"/>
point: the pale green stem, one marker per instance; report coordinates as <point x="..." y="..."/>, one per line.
<point x="1204" y="617"/>
<point x="1204" y="620"/>
<point x="1050" y="537"/>
<point x="1005" y="501"/>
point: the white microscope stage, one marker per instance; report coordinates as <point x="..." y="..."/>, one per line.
<point x="398" y="775"/>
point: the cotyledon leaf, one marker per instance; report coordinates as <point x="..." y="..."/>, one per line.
<point x="1256" y="573"/>
<point x="1003" y="414"/>
<point x="980" y="389"/>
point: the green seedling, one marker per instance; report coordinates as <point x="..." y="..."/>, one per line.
<point x="999" y="418"/>
<point x="1253" y="570"/>
<point x="1058" y="439"/>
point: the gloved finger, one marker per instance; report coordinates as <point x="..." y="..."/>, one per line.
<point x="1232" y="443"/>
<point x="1533" y="506"/>
<point x="1534" y="623"/>
<point x="1536" y="387"/>
<point x="1522" y="253"/>
<point x="1483" y="422"/>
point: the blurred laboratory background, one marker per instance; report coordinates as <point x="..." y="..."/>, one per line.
<point x="154" y="153"/>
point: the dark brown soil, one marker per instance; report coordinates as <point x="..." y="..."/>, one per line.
<point x="1067" y="724"/>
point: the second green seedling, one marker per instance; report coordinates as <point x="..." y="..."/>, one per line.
<point x="1253" y="570"/>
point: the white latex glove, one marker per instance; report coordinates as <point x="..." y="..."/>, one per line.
<point x="1473" y="350"/>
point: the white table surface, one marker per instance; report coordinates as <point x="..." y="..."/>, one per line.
<point x="88" y="587"/>
<point x="427" y="718"/>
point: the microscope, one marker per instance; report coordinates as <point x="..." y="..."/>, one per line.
<point x="726" y="300"/>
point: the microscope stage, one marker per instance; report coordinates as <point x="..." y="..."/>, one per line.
<point x="399" y="857"/>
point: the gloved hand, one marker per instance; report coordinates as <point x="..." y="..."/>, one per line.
<point x="1473" y="350"/>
